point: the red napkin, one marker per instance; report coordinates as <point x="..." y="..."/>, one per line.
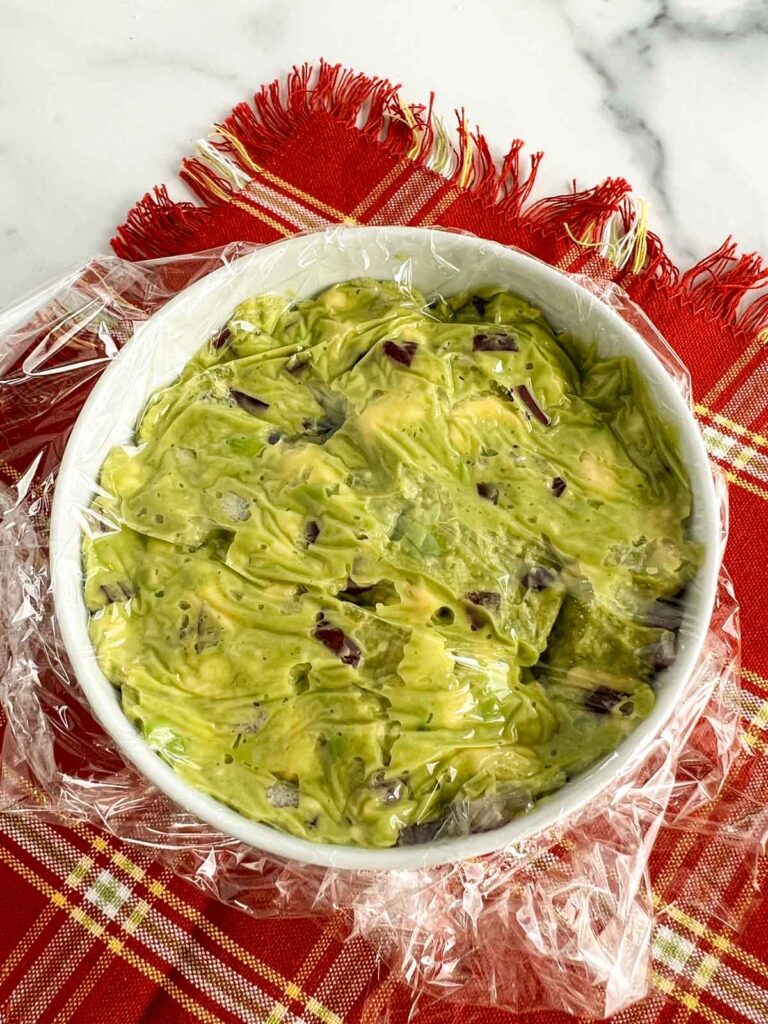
<point x="96" y="931"/>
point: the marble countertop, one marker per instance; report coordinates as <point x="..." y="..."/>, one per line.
<point x="99" y="101"/>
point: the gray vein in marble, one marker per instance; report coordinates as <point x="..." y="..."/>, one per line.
<point x="647" y="144"/>
<point x="619" y="60"/>
<point x="751" y="19"/>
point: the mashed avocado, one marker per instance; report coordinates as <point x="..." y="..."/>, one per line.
<point x="378" y="569"/>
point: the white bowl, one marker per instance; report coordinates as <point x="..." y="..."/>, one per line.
<point x="430" y="260"/>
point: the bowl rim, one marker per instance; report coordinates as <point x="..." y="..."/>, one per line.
<point x="101" y="695"/>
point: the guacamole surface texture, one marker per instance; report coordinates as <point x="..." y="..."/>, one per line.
<point x="379" y="570"/>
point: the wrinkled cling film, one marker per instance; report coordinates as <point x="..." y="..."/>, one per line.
<point x="562" y="918"/>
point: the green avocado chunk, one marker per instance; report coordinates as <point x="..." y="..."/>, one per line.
<point x="378" y="570"/>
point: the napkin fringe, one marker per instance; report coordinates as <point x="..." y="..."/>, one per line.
<point x="158" y="225"/>
<point x="722" y="282"/>
<point x="240" y="147"/>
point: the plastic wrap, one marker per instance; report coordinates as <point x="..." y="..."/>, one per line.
<point x="477" y="901"/>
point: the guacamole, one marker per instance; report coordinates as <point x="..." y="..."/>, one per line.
<point x="379" y="569"/>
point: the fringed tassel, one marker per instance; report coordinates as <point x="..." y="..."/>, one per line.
<point x="243" y="143"/>
<point x="754" y="319"/>
<point x="605" y="219"/>
<point x="368" y="104"/>
<point x="156" y="226"/>
<point x="210" y="186"/>
<point x="659" y="268"/>
<point x="514" y="190"/>
<point x="721" y="282"/>
<point x="373" y="106"/>
<point x="625" y="242"/>
<point x="582" y="214"/>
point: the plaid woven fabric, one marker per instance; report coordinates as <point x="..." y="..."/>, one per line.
<point x="97" y="931"/>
